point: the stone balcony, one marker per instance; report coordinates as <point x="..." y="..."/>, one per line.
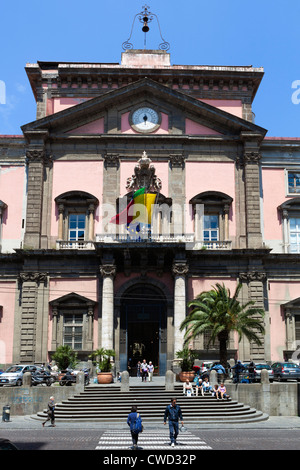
<point x="188" y="239"/>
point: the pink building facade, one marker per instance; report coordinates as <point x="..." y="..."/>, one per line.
<point x="227" y="210"/>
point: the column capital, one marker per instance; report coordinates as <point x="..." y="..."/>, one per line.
<point x="32" y="277"/>
<point x="253" y="276"/>
<point x="252" y="157"/>
<point x="108" y="270"/>
<point x="177" y="160"/>
<point x="180" y="268"/>
<point x="111" y="159"/>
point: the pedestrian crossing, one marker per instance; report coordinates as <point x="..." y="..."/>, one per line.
<point x="150" y="440"/>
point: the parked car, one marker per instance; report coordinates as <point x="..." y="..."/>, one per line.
<point x="258" y="369"/>
<point x="14" y="374"/>
<point x="286" y="371"/>
<point x="206" y="365"/>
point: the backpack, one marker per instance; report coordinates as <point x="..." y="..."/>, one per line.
<point x="137" y="425"/>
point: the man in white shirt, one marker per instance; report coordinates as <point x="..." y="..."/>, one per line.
<point x="144" y="369"/>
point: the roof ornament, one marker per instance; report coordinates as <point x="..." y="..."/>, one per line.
<point x="145" y="17"/>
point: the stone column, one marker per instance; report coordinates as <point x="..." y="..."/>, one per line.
<point x="180" y="270"/>
<point x="54" y="328"/>
<point x="90" y="316"/>
<point x="61" y="209"/>
<point x="108" y="272"/>
<point x="286" y="241"/>
<point x="91" y="211"/>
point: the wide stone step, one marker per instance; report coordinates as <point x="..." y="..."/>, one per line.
<point x="108" y="404"/>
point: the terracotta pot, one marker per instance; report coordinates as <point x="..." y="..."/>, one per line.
<point x="104" y="377"/>
<point x="60" y="375"/>
<point x="184" y="376"/>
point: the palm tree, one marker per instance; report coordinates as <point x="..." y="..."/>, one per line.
<point x="219" y="313"/>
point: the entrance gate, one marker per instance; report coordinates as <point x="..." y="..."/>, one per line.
<point x="143" y="329"/>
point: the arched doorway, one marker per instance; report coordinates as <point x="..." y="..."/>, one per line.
<point x="143" y="328"/>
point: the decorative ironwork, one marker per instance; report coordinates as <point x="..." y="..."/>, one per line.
<point x="145" y="17"/>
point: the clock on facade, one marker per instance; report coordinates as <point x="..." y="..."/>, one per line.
<point x="145" y="119"/>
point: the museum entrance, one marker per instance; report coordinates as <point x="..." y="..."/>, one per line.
<point x="143" y="329"/>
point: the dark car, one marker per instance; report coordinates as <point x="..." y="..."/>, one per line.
<point x="286" y="371"/>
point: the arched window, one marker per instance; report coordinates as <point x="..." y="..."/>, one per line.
<point x="211" y="217"/>
<point x="76" y="210"/>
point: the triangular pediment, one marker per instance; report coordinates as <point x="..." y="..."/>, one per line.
<point x="183" y="114"/>
<point x="72" y="299"/>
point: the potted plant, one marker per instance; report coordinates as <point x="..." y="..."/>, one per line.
<point x="64" y="357"/>
<point x="187" y="357"/>
<point x="103" y="357"/>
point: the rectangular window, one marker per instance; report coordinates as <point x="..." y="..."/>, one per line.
<point x="72" y="334"/>
<point x="211" y="228"/>
<point x="293" y="182"/>
<point x="295" y="235"/>
<point x="76" y="227"/>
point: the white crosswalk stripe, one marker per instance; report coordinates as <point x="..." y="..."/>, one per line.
<point x="150" y="440"/>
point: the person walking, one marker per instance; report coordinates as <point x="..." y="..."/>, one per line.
<point x="144" y="369"/>
<point x="50" y="412"/>
<point x="150" y="371"/>
<point x="138" y="369"/>
<point x="173" y="413"/>
<point x="134" y="421"/>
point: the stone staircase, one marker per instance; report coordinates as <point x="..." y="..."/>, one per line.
<point x="108" y="404"/>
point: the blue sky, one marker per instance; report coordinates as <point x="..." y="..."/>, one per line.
<point x="258" y="32"/>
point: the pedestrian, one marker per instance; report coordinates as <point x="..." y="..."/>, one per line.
<point x="251" y="369"/>
<point x="238" y="368"/>
<point x="150" y="371"/>
<point x="50" y="412"/>
<point x="134" y="421"/>
<point x="144" y="369"/>
<point x="173" y="413"/>
<point x="138" y="369"/>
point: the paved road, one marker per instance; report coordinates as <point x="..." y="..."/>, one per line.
<point x="275" y="434"/>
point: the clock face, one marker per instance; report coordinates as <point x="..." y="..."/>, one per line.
<point x="145" y="119"/>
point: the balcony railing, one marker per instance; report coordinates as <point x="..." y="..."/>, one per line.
<point x="188" y="239"/>
<point x="122" y="238"/>
<point x="74" y="245"/>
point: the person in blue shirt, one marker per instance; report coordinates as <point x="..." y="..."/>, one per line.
<point x="131" y="421"/>
<point x="174" y="414"/>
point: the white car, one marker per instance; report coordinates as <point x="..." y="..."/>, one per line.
<point x="14" y="374"/>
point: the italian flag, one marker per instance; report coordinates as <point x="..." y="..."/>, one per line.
<point x="142" y="213"/>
